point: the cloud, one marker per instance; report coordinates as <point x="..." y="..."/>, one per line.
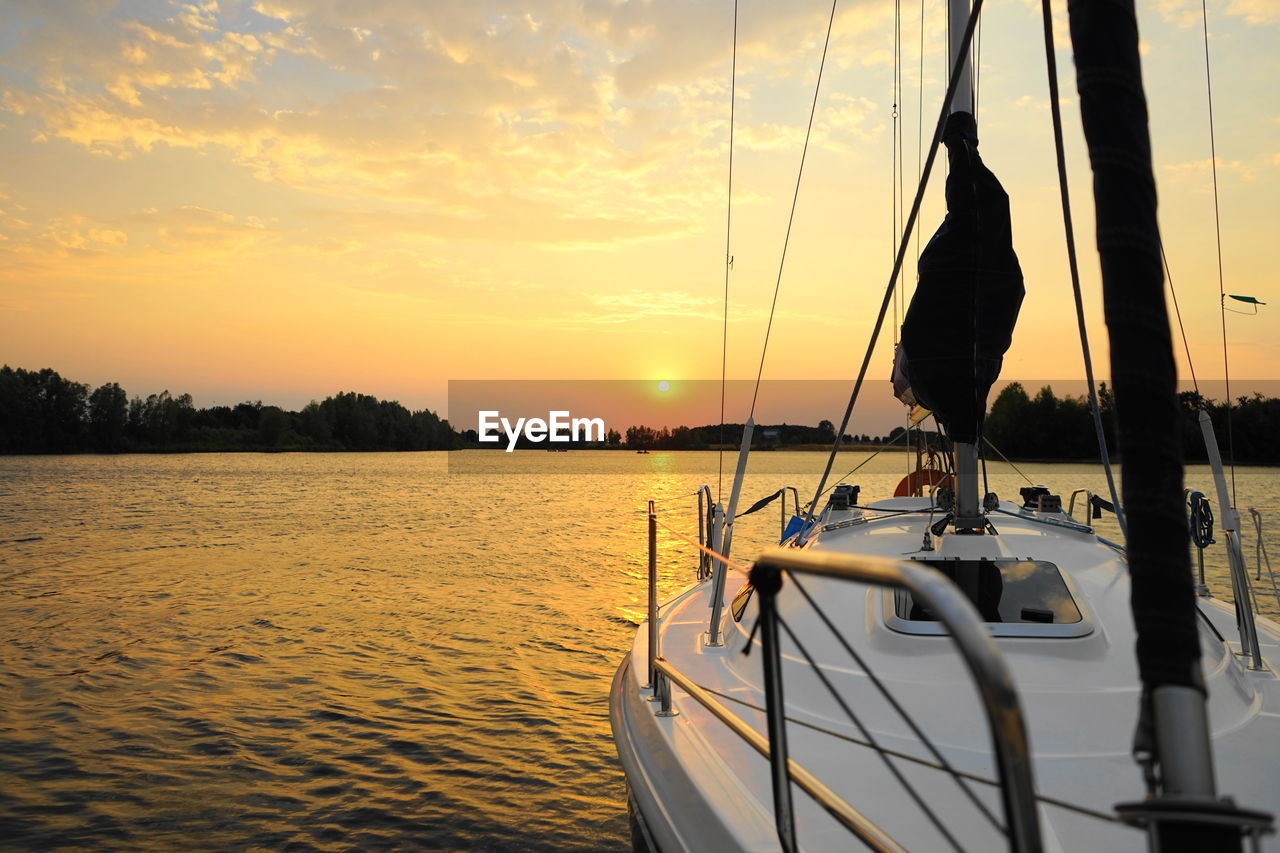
<point x="1255" y="11"/>
<point x="87" y="47"/>
<point x="27" y="245"/>
<point x="108" y="237"/>
<point x="1182" y="13"/>
<point x="190" y="228"/>
<point x="562" y="124"/>
<point x="187" y="230"/>
<point x="639" y="305"/>
<point x="1180" y="171"/>
<point x="1190" y="13"/>
<point x="771" y="137"/>
<point x="635" y="305"/>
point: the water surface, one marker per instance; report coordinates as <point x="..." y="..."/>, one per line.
<point x="337" y="651"/>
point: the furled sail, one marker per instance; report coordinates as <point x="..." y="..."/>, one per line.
<point x="961" y="318"/>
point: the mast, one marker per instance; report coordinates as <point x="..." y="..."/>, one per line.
<point x="957" y="19"/>
<point x="968" y="512"/>
<point x="960" y="321"/>
<point x="1182" y="811"/>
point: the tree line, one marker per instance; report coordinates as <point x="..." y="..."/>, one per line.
<point x="764" y="437"/>
<point x="1061" y="428"/>
<point x="43" y="412"/>
<point x="709" y="437"/>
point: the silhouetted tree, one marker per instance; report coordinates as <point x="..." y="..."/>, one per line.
<point x="273" y="423"/>
<point x="108" y="417"/>
<point x="42" y="412"/>
<point x="1007" y="419"/>
<point x="20" y="426"/>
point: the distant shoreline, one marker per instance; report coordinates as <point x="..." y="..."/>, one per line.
<point x="804" y="449"/>
<point x="43" y="413"/>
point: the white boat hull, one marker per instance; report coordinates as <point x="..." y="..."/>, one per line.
<point x="700" y="787"/>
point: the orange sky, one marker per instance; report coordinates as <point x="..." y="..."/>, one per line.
<point x="284" y="199"/>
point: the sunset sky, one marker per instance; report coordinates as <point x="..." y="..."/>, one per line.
<point x="279" y="200"/>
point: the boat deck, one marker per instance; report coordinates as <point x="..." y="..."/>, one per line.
<point x="708" y="789"/>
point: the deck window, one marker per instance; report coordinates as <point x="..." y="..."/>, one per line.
<point x="1017" y="597"/>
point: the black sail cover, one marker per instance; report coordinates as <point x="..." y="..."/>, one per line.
<point x="961" y="318"/>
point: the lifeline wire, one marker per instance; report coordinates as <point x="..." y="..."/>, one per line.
<point x="953" y="80"/>
<point x="920" y="801"/>
<point x="794" y="199"/>
<point x="673" y="498"/>
<point x="1048" y="801"/>
<point x="728" y="258"/>
<point x="1051" y="60"/>
<point x="892" y="700"/>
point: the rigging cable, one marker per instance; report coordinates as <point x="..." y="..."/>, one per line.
<point x="855" y="468"/>
<point x="986" y="484"/>
<point x="1052" y="63"/>
<point x="919" y="170"/>
<point x="1168" y="274"/>
<point x="901" y="160"/>
<point x="1217" y="227"/>
<point x="977" y="68"/>
<point x="804" y="152"/>
<point x="895" y="146"/>
<point x="1030" y="482"/>
<point x="728" y="258"/>
<point x="895" y="176"/>
<point x="952" y="81"/>
<point x="920" y="120"/>
<point x="902" y="166"/>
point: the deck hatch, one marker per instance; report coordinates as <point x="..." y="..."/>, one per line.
<point x="1017" y="598"/>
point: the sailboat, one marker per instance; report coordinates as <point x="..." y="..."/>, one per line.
<point x="947" y="670"/>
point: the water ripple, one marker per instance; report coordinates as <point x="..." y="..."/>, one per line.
<point x="329" y="652"/>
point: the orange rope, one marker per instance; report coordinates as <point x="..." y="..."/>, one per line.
<point x="712" y="554"/>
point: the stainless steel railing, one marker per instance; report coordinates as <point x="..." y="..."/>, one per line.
<point x="851" y="818"/>
<point x="795" y="494"/>
<point x="1260" y="547"/>
<point x="653" y="594"/>
<point x="1230" y="521"/>
<point x="964" y="625"/>
<point x="972" y="639"/>
<point x="1088" y="505"/>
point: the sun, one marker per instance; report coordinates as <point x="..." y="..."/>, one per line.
<point x="664" y="385"/>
